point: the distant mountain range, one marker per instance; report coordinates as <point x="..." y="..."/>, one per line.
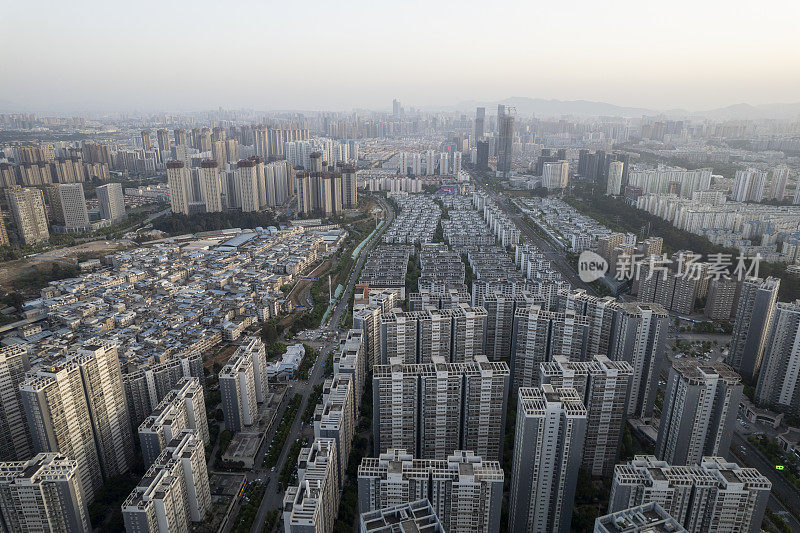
<point x="552" y="108"/>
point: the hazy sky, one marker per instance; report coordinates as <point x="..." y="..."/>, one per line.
<point x="180" y="55"/>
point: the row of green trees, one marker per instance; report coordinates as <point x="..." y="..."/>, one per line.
<point x="620" y="216"/>
<point x="282" y="433"/>
<point x="175" y="224"/>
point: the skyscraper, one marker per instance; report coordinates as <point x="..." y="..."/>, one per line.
<point x="3" y="232"/>
<point x="173" y="492"/>
<point x="78" y="408"/>
<point x="42" y="494"/>
<point x="183" y="407"/>
<point x="436" y="408"/>
<point x="349" y="188"/>
<point x="754" y="310"/>
<point x="111" y="200"/>
<point x="699" y="412"/>
<point x="638" y="335"/>
<point x="247" y="184"/>
<point x="467" y="491"/>
<point x="555" y="174"/>
<point x="598" y="312"/>
<point x="403" y="518"/>
<point x="548" y="443"/>
<point x="238" y="387"/>
<point x="312" y="504"/>
<point x="541" y="335"/>
<point x="749" y="185"/>
<point x="334" y="417"/>
<point x="210" y="185"/>
<point x="709" y="497"/>
<point x="603" y="386"/>
<point x="505" y="141"/>
<point x="780" y="177"/>
<point x="27" y="208"/>
<point x="162" y="136"/>
<point x="647" y="518"/>
<point x="779" y="380"/>
<point x="73" y="206"/>
<point x="480" y="121"/>
<point x="147" y="141"/>
<point x="614" y="186"/>
<point x="179" y="182"/>
<point x="180" y="137"/>
<point x="15" y="438"/>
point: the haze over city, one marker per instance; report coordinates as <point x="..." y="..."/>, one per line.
<point x="409" y="267"/>
<point x="176" y="56"/>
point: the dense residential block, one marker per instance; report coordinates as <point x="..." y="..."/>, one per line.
<point x="467" y="491"/>
<point x="548" y="444"/>
<point x="713" y="495"/>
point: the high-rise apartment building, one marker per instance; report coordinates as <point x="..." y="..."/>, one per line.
<point x="699" y="413"/>
<point x="709" y="497"/>
<point x="597" y="311"/>
<point x="334" y="417"/>
<point x="749" y="185"/>
<point x="780" y="178"/>
<point x="162" y="136"/>
<point x="721" y="299"/>
<point x="210" y="186"/>
<point x="419" y="336"/>
<point x="500" y="311"/>
<point x="603" y="386"/>
<point x="78" y="408"/>
<point x="638" y="336"/>
<point x="467" y="491"/>
<point x="15" y="437"/>
<point x="180" y="137"/>
<point x="412" y="517"/>
<point x="312" y="504"/>
<point x="27" y="208"/>
<point x="173" y="492"/>
<point x="540" y="335"/>
<point x="247" y="184"/>
<point x="219" y="153"/>
<point x="147" y="141"/>
<point x="4" y="241"/>
<point x="146" y="386"/>
<point x="182" y="408"/>
<point x="438" y="407"/>
<point x="548" y="443"/>
<point x="42" y="494"/>
<point x="646" y="518"/>
<point x="350" y="359"/>
<point x="237" y="384"/>
<point x="111" y="201"/>
<point x="779" y="380"/>
<point x="180" y="185"/>
<point x="349" y="188"/>
<point x="73" y="206"/>
<point x="754" y="310"/>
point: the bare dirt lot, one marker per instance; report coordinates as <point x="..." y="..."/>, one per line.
<point x="11" y="270"/>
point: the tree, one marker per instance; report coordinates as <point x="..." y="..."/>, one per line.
<point x="269" y="333"/>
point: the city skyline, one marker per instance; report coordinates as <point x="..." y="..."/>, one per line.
<point x="160" y="57"/>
